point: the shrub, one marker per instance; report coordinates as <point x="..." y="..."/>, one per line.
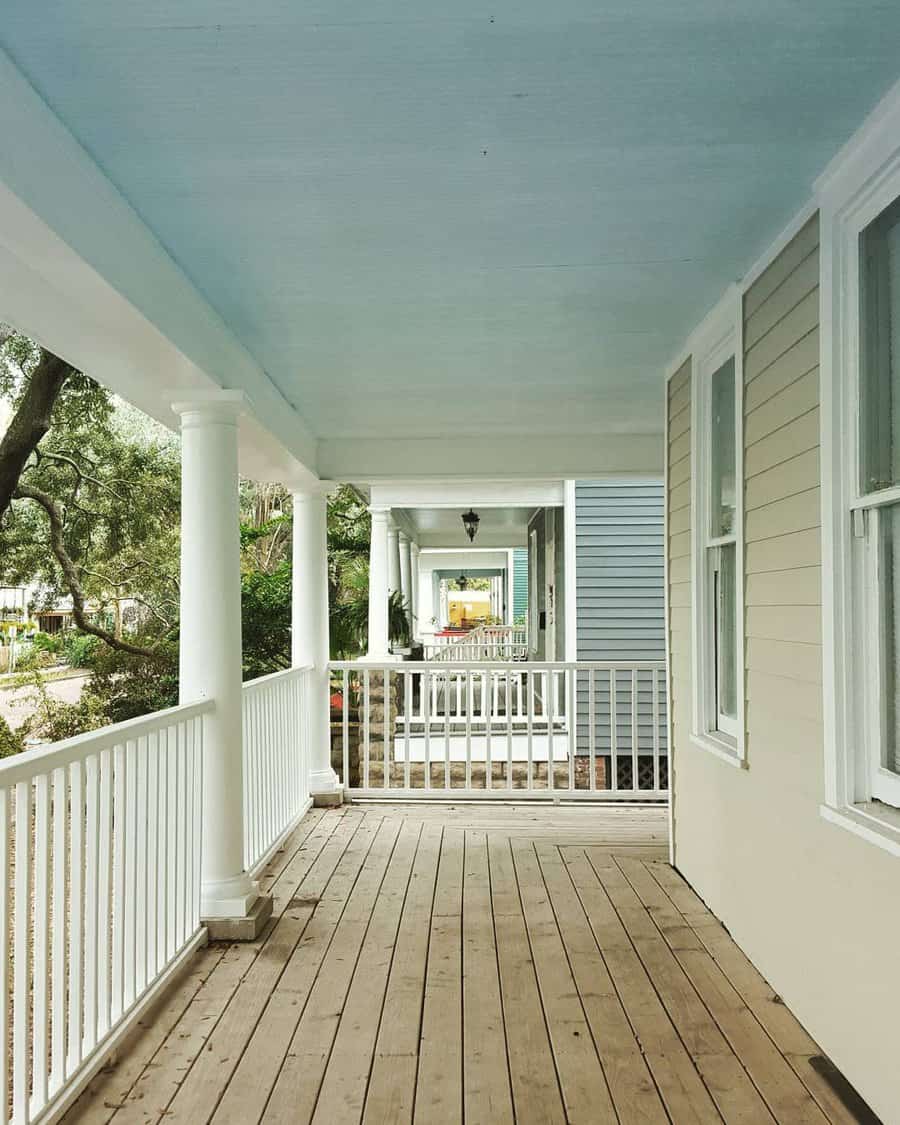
<point x="33" y="659"/>
<point x="49" y="642"/>
<point x="11" y="741"/>
<point x="81" y="650"/>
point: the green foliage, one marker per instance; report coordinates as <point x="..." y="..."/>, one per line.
<point x="53" y="720"/>
<point x="81" y="649"/>
<point x="32" y="659"/>
<point x="124" y="686"/>
<point x="49" y="642"/>
<point x="349" y="530"/>
<point x="266" y="620"/>
<point x="11" y="741"/>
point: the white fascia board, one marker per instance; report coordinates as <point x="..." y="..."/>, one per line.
<point x="81" y="273"/>
<point x="577" y="456"/>
<point x="462" y="494"/>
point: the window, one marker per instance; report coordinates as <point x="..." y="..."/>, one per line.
<point x="860" y="382"/>
<point x="717" y="529"/>
<point x="876" y="505"/>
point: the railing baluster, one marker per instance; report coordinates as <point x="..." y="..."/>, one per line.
<point x="120" y="827"/>
<point x="407" y="711"/>
<point x="509" y="731"/>
<point x="550" y="708"/>
<point x="58" y="937"/>
<point x="469" y="708"/>
<point x="104" y="882"/>
<point x="131" y="832"/>
<point x="592" y="734"/>
<point x="21" y="953"/>
<point x="613" y="731"/>
<point x="40" y="986"/>
<point x="426" y="705"/>
<point x="388" y="724"/>
<point x="529" y="703"/>
<point x="654" y="680"/>
<point x="634" y="731"/>
<point x="91" y="875"/>
<point x="570" y="676"/>
<point x="447" y="730"/>
<point x="488" y="689"/>
<point x="366" y="729"/>
<point x="345" y="727"/>
<point x="76" y="915"/>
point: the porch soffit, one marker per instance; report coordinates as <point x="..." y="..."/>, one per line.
<point x="418" y="243"/>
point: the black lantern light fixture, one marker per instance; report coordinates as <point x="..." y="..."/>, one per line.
<point x="462" y="582"/>
<point x="470" y="523"/>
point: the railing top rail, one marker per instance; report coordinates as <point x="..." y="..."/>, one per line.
<point x="273" y="677"/>
<point x="42" y="759"/>
<point x="500" y="665"/>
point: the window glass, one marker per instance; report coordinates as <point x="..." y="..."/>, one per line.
<point x="722" y="451"/>
<point x="890" y="617"/>
<point x="880" y="358"/>
<point x="726" y="631"/>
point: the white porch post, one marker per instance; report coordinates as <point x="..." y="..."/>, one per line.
<point x="406" y="572"/>
<point x="309" y="631"/>
<point x="414" y="588"/>
<point x="210" y="651"/>
<point x="393" y="557"/>
<point x="378" y="585"/>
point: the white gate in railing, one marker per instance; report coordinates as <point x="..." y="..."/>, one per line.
<point x="572" y="730"/>
<point x="100" y="847"/>
<point x="276" y="760"/>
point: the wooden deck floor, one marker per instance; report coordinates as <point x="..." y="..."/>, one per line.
<point x="474" y="963"/>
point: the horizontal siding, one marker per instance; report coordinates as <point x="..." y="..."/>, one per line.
<point x="782" y="501"/>
<point x="678" y="547"/>
<point x="619" y="572"/>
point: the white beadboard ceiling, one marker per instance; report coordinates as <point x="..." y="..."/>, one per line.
<point x="433" y="219"/>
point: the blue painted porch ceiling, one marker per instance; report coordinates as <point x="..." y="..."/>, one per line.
<point x="422" y="217"/>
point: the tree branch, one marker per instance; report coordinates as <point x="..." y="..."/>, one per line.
<point x="30" y="422"/>
<point x="70" y="573"/>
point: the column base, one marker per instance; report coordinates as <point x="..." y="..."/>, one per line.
<point x="325" y="788"/>
<point x="245" y="927"/>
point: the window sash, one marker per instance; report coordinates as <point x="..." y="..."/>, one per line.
<point x="879" y="587"/>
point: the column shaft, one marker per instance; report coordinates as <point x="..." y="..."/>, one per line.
<point x="309" y="630"/>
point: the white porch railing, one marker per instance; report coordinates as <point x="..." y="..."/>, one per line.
<point x="487" y="729"/>
<point x="487" y="642"/>
<point x="100" y="845"/>
<point x="276" y="760"/>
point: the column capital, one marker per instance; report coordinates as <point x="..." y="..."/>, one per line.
<point x="379" y="512"/>
<point x="310" y="489"/>
<point x="404" y="538"/>
<point x="214" y="405"/>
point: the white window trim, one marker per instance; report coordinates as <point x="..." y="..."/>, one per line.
<point x="718" y="337"/>
<point x="857" y="186"/>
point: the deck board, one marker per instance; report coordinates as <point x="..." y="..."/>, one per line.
<point x="471" y="961"/>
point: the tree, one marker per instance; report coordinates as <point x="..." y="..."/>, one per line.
<point x="89" y="511"/>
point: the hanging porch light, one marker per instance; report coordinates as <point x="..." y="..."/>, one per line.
<point x="471" y="521"/>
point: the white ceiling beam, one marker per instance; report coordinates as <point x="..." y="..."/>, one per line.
<point x="498" y="458"/>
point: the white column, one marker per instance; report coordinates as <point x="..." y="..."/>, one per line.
<point x="309" y="627"/>
<point x="393" y="557"/>
<point x="210" y="638"/>
<point x="414" y="587"/>
<point x="378" y="585"/>
<point x="406" y="571"/>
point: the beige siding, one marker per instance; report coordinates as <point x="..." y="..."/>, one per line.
<point x="796" y="891"/>
<point x="678" y="547"/>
